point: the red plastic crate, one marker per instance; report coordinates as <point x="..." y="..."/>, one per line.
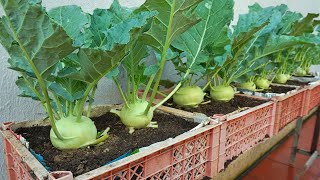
<point x="289" y="108"/>
<point x="312" y="98"/>
<point x="242" y="131"/>
<point x="191" y="155"/>
<point x="15" y="169"/>
<point x="192" y="158"/>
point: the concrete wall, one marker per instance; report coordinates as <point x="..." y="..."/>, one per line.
<point x="15" y="108"/>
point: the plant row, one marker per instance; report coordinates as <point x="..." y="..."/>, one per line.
<point x="62" y="54"/>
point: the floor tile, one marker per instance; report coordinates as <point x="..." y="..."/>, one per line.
<point x="269" y="169"/>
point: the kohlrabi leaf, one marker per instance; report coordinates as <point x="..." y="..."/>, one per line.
<point x="73" y="20"/>
<point x="152" y="69"/>
<point x="174" y="18"/>
<point x="305" y="25"/>
<point x="215" y="15"/>
<point x="313" y="55"/>
<point x="278" y="43"/>
<point x="27" y="87"/>
<point x="242" y="39"/>
<point x="67" y="88"/>
<point x="33" y="41"/>
<point x="288" y="20"/>
<point x="114" y="73"/>
<point x="108" y="40"/>
<point x="255" y="18"/>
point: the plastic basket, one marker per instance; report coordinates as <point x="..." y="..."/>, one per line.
<point x="289" y="108"/>
<point x="192" y="155"/>
<point x="242" y="131"/>
<point x="312" y="98"/>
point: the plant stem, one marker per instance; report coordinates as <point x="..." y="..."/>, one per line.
<point x="121" y="92"/>
<point x="163" y="58"/>
<point x="90" y="102"/>
<point x="169" y="96"/>
<point x="147" y="89"/>
<point x="70" y="109"/>
<point x="84" y="99"/>
<point x="60" y="111"/>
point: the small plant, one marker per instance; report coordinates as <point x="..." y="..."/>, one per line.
<point x="61" y="55"/>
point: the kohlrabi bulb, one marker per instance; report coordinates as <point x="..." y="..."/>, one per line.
<point x="249" y="85"/>
<point x="77" y="133"/>
<point x="190" y="96"/>
<point x="281" y="78"/>
<point x="222" y="93"/>
<point x="262" y="83"/>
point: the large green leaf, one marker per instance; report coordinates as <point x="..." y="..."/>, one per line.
<point x="305" y="25"/>
<point x="313" y="55"/>
<point x="174" y="18"/>
<point x="30" y="36"/>
<point x="215" y="15"/>
<point x="105" y="41"/>
<point x="282" y="42"/>
<point x="68" y="89"/>
<point x="73" y="20"/>
<point x="288" y="20"/>
<point x="27" y="87"/>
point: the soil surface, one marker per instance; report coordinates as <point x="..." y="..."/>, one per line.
<point x="278" y="89"/>
<point x="215" y="107"/>
<point x="297" y="83"/>
<point x="120" y="142"/>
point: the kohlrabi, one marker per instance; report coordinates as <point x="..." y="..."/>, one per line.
<point x="294" y="60"/>
<point x="178" y="22"/>
<point x="61" y="55"/>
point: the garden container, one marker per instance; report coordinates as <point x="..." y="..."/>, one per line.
<point x="191" y="155"/>
<point x="289" y="106"/>
<point x="312" y="97"/>
<point x="241" y="130"/>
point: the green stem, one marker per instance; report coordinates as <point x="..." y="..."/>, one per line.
<point x="134" y="89"/>
<point x="84" y="99"/>
<point x="90" y="102"/>
<point x="60" y="111"/>
<point x="70" y="109"/>
<point x="169" y="96"/>
<point x="190" y="81"/>
<point x="163" y="58"/>
<point x="147" y="89"/>
<point x="34" y="90"/>
<point x="76" y="110"/>
<point x="121" y="92"/>
<point x="40" y="79"/>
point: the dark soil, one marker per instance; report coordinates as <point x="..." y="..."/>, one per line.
<point x="296" y="83"/>
<point x="120" y="142"/>
<point x="307" y="76"/>
<point x="215" y="107"/>
<point x="278" y="89"/>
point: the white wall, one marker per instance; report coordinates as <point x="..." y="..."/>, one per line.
<point x="15" y="108"/>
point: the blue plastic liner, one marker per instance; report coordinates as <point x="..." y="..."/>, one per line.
<point x="39" y="158"/>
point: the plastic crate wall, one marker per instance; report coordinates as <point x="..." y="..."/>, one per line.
<point x="191" y="159"/>
<point x="3" y="170"/>
<point x="16" y="170"/>
<point x="312" y="99"/>
<point x="240" y="133"/>
<point x="288" y="109"/>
